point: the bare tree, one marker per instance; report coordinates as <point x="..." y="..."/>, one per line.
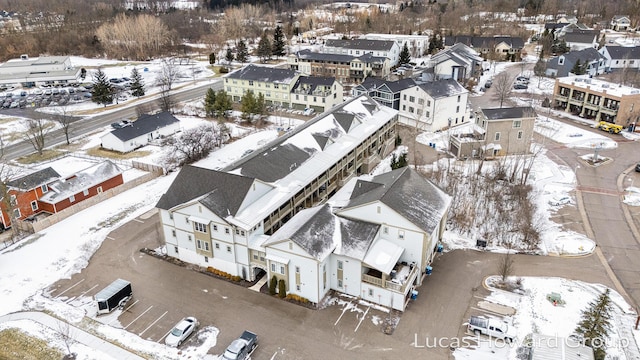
<point x="7" y="201"/>
<point x="505" y="266"/>
<point x="65" y="121"/>
<point x="36" y="133"/>
<point x="139" y="36"/>
<point x="502" y="87"/>
<point x="192" y="145"/>
<point x="66" y="334"/>
<point x="169" y="74"/>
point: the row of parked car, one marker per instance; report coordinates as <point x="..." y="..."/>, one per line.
<point x="46" y="96"/>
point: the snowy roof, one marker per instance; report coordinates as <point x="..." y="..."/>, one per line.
<point x="374" y="83"/>
<point x="35" y="179"/>
<point x="569" y="59"/>
<point x="581" y="36"/>
<point x="264" y="74"/>
<point x="311" y="83"/>
<point x="356" y="237"/>
<point x="82" y="180"/>
<point x="443" y="88"/>
<point x="554" y="348"/>
<point x="383" y="256"/>
<point x="484" y="41"/>
<point x="220" y="192"/>
<point x="361" y="44"/>
<point x="307" y="54"/>
<point x="583" y="81"/>
<point x="508" y="113"/>
<point x="624" y="52"/>
<point x="145" y="124"/>
<point x="408" y="193"/>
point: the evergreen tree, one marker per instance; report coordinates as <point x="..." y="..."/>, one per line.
<point x="209" y="102"/>
<point x="212" y="58"/>
<point x="282" y="289"/>
<point x="595" y="323"/>
<point x="229" y="57"/>
<point x="272" y="285"/>
<point x="102" y="92"/>
<point x="83" y="73"/>
<point x="137" y="86"/>
<point x="278" y="42"/>
<point x="405" y="57"/>
<point x="264" y="48"/>
<point x="577" y="68"/>
<point x="222" y="104"/>
<point x="242" y="53"/>
<point x="247" y="105"/>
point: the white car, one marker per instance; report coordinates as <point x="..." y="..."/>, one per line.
<point x="560" y="200"/>
<point x="181" y="331"/>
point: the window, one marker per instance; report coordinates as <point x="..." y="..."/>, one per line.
<point x="170" y="216"/>
<point x="206" y="259"/>
<point x="281" y="269"/>
<point x="339" y="265"/>
<point x="458" y="98"/>
<point x="199" y="244"/>
<point x="385" y="229"/>
<point x="378" y="209"/>
<point x="370" y="292"/>
<point x="517" y="124"/>
<point x="16" y="213"/>
<point x="520" y="135"/>
<point x="44" y="188"/>
<point x="241" y="232"/>
<point x="250" y="83"/>
<point x="298" y="269"/>
<point x="400" y="234"/>
<point x="189" y="238"/>
<point x="226" y="230"/>
<point x="173" y="233"/>
<point x="411" y="109"/>
<point x="72" y="198"/>
<point x="273" y="267"/>
<point x="255" y="256"/>
<point x="404" y="97"/>
<point x="412" y="99"/>
<point x="427" y="114"/>
<point x="298" y="287"/>
<point x="420" y="101"/>
<point x="175" y="249"/>
<point x="228" y="249"/>
<point x="419" y="112"/>
<point x="457" y="109"/>
<point x="186" y="220"/>
<point x="429" y="103"/>
<point x="404" y="107"/>
<point x="200" y="227"/>
<point x="217" y="246"/>
<point x="237" y="232"/>
<point x="34" y="205"/>
<point x="215" y="227"/>
<point x="497" y="137"/>
<point x="340" y="283"/>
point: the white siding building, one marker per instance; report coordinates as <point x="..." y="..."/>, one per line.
<point x="141" y="132"/>
<point x="434" y="106"/>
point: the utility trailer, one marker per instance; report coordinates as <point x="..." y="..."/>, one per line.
<point x="113" y="296"/>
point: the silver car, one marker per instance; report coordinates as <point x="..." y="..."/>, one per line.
<point x="181" y="331"/>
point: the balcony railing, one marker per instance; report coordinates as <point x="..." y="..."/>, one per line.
<point x="391" y="284"/>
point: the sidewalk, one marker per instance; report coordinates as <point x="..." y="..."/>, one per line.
<point x="78" y="335"/>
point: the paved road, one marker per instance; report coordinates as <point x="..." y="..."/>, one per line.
<point x="84" y="125"/>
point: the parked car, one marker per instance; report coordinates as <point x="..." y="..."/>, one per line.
<point x="610" y="127"/>
<point x="241" y="348"/>
<point x="491" y="327"/>
<point x="638" y="167"/>
<point x="520" y="86"/>
<point x="488" y="83"/>
<point x="181" y="331"/>
<point x="522" y="79"/>
<point x="560" y="200"/>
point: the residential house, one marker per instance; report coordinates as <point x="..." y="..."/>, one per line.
<point x="418" y="45"/>
<point x="24" y="193"/>
<point x="346" y="68"/>
<point x="82" y="185"/>
<point x="581" y="39"/>
<point x="499" y="47"/>
<point x="434" y="106"/>
<point x="222" y="218"/>
<point x="620" y="23"/>
<point x="378" y="48"/>
<point x="317" y="93"/>
<point x="496" y="132"/>
<point x="285" y="88"/>
<point x="621" y="57"/>
<point x="145" y="129"/>
<point x="591" y="61"/>
<point x="383" y="91"/>
<point x="596" y="99"/>
<point x="458" y="62"/>
<point x="44" y="70"/>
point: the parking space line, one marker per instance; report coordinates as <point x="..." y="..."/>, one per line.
<point x="124" y="310"/>
<point x="83" y="293"/>
<point x="153" y="323"/>
<point x="489" y="311"/>
<point x="139" y="316"/>
<point x="344" y="309"/>
<point x="363" y="316"/>
<point x="69" y="288"/>
<point x="140" y="221"/>
<point x="110" y="238"/>
<point x="164" y="336"/>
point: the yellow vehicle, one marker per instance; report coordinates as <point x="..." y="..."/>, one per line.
<point x="610" y="127"/>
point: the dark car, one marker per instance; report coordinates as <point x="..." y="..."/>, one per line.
<point x="637" y="167"/>
<point x="520" y="86"/>
<point x="488" y="83"/>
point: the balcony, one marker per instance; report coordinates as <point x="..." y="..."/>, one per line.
<point x="401" y="277"/>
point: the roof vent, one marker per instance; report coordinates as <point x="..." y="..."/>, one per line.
<point x="24" y="57"/>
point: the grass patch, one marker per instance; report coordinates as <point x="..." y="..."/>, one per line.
<point x="36" y="158"/>
<point x="100" y="152"/>
<point x="15" y="344"/>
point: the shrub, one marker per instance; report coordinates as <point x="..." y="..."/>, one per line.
<point x="297" y="298"/>
<point x="272" y="285"/>
<point x="223" y="70"/>
<point x="236" y="278"/>
<point x="282" y="289"/>
<point x="210" y="269"/>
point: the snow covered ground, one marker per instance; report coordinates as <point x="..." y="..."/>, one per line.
<point x="49" y="261"/>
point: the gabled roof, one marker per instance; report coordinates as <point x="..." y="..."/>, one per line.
<point x="443" y="88"/>
<point x="361" y="44"/>
<point x="623" y="52"/>
<point x="620" y="17"/>
<point x="195" y="182"/>
<point x="482" y="42"/>
<point x="264" y="74"/>
<point x="569" y="60"/>
<point x="581" y="36"/>
<point x="145" y="124"/>
<point x="508" y="113"/>
<point x="311" y="83"/>
<point x="409" y="194"/>
<point x="373" y="83"/>
<point x="35" y="179"/>
<point x="555" y="26"/>
<point x="82" y="180"/>
<point x="307" y="54"/>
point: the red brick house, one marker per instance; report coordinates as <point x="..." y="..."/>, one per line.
<point x="24" y="193"/>
<point x="81" y="186"/>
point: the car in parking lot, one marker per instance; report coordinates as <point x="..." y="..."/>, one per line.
<point x="181" y="331"/>
<point x="560" y="200"/>
<point x="520" y="86"/>
<point x="522" y="79"/>
<point x="488" y="83"/>
<point x="638" y="167"/>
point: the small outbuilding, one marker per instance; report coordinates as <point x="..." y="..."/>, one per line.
<point x="141" y="132"/>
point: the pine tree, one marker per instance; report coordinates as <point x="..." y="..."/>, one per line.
<point x="137" y="86"/>
<point x="596" y="323"/>
<point x="278" y="42"/>
<point x="242" y="53"/>
<point x="212" y="58"/>
<point x="282" y="289"/>
<point x="272" y="285"/>
<point x="209" y="102"/>
<point x="247" y="105"/>
<point x="405" y="57"/>
<point x="229" y="57"/>
<point x="102" y="92"/>
<point x="577" y="68"/>
<point x="222" y="104"/>
<point x="264" y="48"/>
